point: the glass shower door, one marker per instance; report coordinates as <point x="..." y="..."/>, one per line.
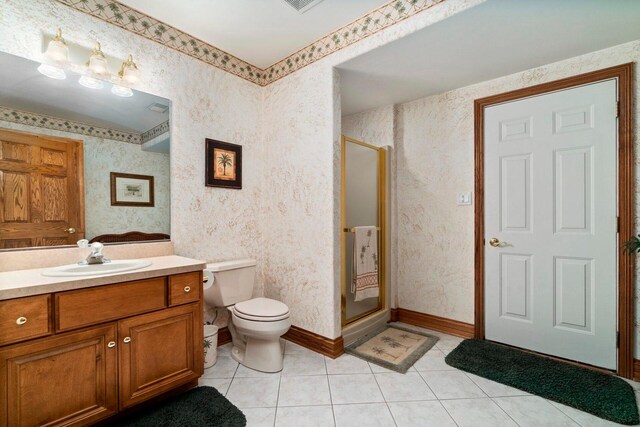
<point x="363" y="184"/>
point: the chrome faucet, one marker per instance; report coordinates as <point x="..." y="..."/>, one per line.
<point x="96" y="256"/>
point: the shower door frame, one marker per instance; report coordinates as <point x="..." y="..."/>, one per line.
<point x="382" y="230"/>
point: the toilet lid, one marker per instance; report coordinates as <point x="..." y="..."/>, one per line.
<point x="261" y="308"/>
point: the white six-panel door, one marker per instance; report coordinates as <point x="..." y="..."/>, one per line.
<point x="550" y="202"/>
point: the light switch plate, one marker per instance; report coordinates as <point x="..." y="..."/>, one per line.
<point x="464" y="198"/>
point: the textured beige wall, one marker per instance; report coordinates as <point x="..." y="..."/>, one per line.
<point x="375" y="127"/>
<point x="287" y="215"/>
<point x="435" y="159"/>
<point x="206" y="223"/>
<point x="302" y="127"/>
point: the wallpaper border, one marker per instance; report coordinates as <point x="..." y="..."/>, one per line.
<point x="130" y="19"/>
<point x="49" y="122"/>
<point x="367" y="25"/>
<point x="154" y="132"/>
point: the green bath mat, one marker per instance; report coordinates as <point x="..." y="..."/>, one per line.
<point x="392" y="347"/>
<point x="603" y="395"/>
<point x="198" y="407"/>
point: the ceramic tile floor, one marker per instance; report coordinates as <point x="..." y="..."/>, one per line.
<point x="313" y="390"/>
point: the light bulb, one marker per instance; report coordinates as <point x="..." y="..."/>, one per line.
<point x="122" y="91"/>
<point x="90" y="82"/>
<point x="52" y="72"/>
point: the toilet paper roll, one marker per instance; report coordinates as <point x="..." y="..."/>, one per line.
<point x="207" y="278"/>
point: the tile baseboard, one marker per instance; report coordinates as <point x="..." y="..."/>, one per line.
<point x="430" y="321"/>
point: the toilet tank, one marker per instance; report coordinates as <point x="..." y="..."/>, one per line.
<point x="229" y="282"/>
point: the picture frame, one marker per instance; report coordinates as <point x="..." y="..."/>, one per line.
<point x="223" y="164"/>
<point x="129" y="189"/>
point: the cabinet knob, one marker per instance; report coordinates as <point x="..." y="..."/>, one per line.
<point x="187" y="289"/>
<point x="111" y="344"/>
<point x="70" y="230"/>
<point x="21" y="320"/>
<point x="127" y="340"/>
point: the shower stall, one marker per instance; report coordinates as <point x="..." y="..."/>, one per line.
<point x="363" y="192"/>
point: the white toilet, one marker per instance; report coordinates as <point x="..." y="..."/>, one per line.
<point x="257" y="324"/>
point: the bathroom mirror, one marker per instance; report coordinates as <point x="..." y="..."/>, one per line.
<point x="77" y="162"/>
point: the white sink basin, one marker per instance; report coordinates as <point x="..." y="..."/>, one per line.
<point x="112" y="267"/>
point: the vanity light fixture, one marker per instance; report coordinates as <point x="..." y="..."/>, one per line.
<point x="55" y="58"/>
<point x="97" y="62"/>
<point x="94" y="73"/>
<point x="129" y="72"/>
<point x="96" y="68"/>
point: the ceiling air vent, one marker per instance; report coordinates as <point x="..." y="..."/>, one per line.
<point x="158" y="108"/>
<point x="302" y="5"/>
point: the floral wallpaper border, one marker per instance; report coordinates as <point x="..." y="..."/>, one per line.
<point x="48" y="122"/>
<point x="377" y="20"/>
<point x="154" y="132"/>
<point x="132" y="20"/>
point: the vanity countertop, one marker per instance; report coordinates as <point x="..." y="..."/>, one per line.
<point x="23" y="283"/>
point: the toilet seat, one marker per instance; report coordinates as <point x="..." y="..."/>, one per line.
<point x="261" y="310"/>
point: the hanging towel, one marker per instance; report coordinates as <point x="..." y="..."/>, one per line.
<point x="365" y="263"/>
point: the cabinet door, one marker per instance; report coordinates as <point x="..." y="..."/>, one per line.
<point x="159" y="351"/>
<point x="69" y="379"/>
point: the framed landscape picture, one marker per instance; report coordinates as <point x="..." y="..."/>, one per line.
<point x="223" y="164"/>
<point x="128" y="189"/>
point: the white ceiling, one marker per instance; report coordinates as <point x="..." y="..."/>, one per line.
<point x="22" y="87"/>
<point x="261" y="32"/>
<point x="493" y="39"/>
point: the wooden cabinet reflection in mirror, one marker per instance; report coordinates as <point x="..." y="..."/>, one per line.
<point x="41" y="190"/>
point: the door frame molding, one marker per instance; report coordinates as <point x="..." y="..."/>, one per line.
<point x="626" y="263"/>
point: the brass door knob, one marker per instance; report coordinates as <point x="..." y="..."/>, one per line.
<point x="111" y="344"/>
<point x="70" y="230"/>
<point x="127" y="340"/>
<point x="495" y="242"/>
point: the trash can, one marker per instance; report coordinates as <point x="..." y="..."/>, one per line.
<point x="210" y="345"/>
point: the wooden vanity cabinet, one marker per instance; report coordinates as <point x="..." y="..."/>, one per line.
<point x="68" y="379"/>
<point x="157" y="352"/>
<point x="82" y="375"/>
<point x="25" y="318"/>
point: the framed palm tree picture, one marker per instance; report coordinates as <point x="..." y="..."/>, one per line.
<point x="223" y="164"/>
